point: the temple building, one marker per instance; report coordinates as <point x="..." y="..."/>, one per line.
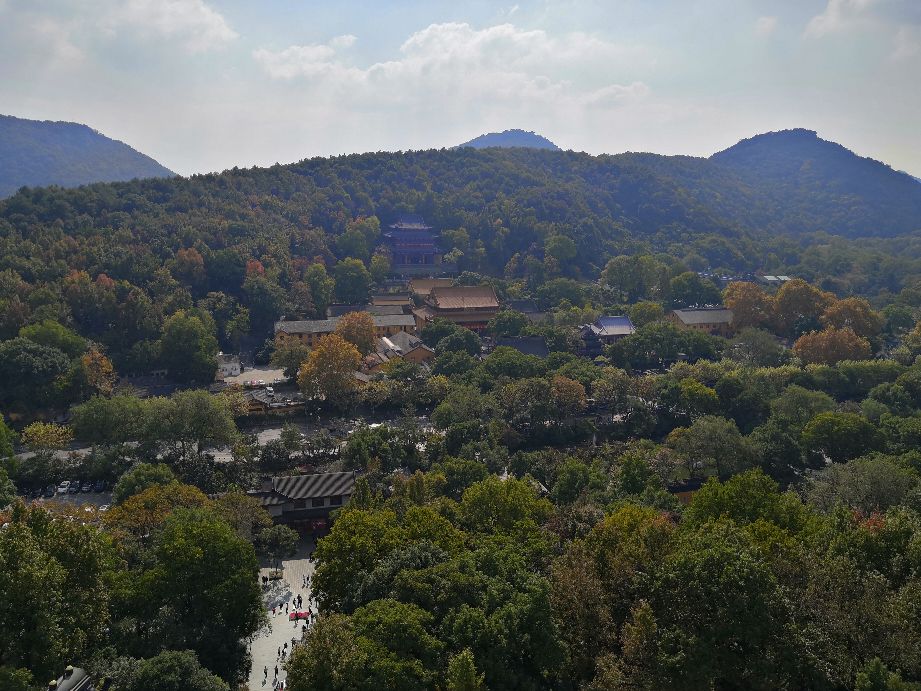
<point x="412" y="246"/>
<point x="716" y="321"/>
<point x="470" y="306"/>
<point x="310" y="331"/>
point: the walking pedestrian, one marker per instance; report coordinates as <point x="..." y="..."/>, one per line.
<point x="265" y="671"/>
<point x="276" y="671"/>
<point x="286" y="608"/>
<point x="278" y="654"/>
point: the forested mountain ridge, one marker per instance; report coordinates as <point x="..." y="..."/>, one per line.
<point x="38" y="153"/>
<point x="498" y="210"/>
<point x="510" y="138"/>
<point x="823" y="183"/>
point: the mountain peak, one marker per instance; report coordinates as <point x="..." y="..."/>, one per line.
<point x="69" y="154"/>
<point x="797" y="165"/>
<point x="511" y="138"/>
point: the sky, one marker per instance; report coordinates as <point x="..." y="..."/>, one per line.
<point x="206" y="85"/>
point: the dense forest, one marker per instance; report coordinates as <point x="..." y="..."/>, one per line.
<point x="684" y="511"/>
<point x="115" y="261"/>
<point x="39" y="153"/>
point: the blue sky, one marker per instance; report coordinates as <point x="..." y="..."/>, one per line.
<point x="205" y="85"/>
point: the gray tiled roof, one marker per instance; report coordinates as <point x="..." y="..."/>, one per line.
<point x="526" y="345"/>
<point x="315" y="485"/>
<point x="329" y="325"/>
<point x="705" y="315"/>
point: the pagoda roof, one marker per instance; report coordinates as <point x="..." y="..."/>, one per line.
<point x="410" y="222"/>
<point x="464" y="297"/>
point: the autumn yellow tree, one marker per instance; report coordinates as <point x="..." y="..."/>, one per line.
<point x="98" y="371"/>
<point x="750" y="305"/>
<point x="46" y="436"/>
<point x="798" y="306"/>
<point x="141" y="514"/>
<point x="855" y="314"/>
<point x="831" y="346"/>
<point x="329" y="371"/>
<point x="358" y="329"/>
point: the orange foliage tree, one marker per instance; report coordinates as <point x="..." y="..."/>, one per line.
<point x="750" y="305"/>
<point x="799" y="303"/>
<point x="855" y="314"/>
<point x="98" y="371"/>
<point x="358" y="329"/>
<point x="329" y="371"/>
<point x="831" y="346"/>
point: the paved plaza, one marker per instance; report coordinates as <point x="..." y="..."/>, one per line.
<point x="280" y="630"/>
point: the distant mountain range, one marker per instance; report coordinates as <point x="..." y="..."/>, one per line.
<point x="39" y="153"/>
<point x="510" y="138"/>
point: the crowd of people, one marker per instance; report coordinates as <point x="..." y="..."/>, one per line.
<point x="301" y="616"/>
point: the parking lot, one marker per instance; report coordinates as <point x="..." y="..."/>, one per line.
<point x="94" y="498"/>
<point x="264" y="374"/>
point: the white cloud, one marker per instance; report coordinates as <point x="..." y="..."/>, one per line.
<point x="838" y="16"/>
<point x="56" y="37"/>
<point x="346" y="41"/>
<point x="765" y="26"/>
<point x="454" y="62"/>
<point x="192" y="22"/>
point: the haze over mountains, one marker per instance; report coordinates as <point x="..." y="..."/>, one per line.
<point x="38" y="153"/>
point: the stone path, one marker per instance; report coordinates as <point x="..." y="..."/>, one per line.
<point x="280" y="630"/>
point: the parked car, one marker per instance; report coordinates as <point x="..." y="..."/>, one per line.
<point x="104" y="507"/>
<point x="100" y="486"/>
<point x="64" y="487"/>
<point x="74" y="487"/>
<point x="86" y="487"/>
<point x="49" y="491"/>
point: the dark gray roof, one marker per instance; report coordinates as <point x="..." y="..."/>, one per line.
<point x="527" y="345"/>
<point x="329" y="325"/>
<point x="307" y="326"/>
<point x="315" y="485"/>
<point x="614" y="326"/>
<point x="76" y="680"/>
<point x="403" y="341"/>
<point x="524" y="306"/>
<point x="334" y="311"/>
<point x="704" y="315"/>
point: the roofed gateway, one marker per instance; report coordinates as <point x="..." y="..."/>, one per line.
<point x="470" y="306"/>
<point x="299" y="498"/>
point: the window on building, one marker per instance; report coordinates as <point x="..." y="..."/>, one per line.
<point x="300" y="503"/>
<point x="335" y="501"/>
<point x="318" y="502"/>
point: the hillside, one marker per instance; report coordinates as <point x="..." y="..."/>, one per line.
<point x="815" y="184"/>
<point x="38" y="153"/>
<point x="495" y="208"/>
<point x="510" y="138"/>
